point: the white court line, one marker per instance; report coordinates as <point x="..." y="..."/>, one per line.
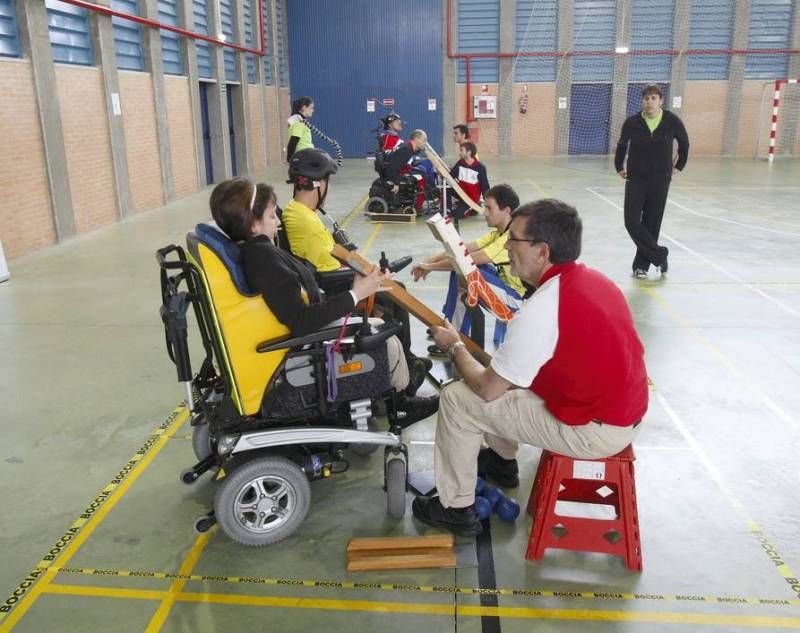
<point x="717" y="219"/>
<point x="704" y="459"/>
<point x="786" y="308"/>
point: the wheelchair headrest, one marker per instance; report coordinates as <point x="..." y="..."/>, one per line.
<point x="228" y="251"/>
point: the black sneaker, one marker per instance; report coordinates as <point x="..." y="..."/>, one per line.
<point x="412" y="409"/>
<point x="436" y="352"/>
<point x="503" y="472"/>
<point x="665" y="264"/>
<point x="461" y="521"/>
<point x="417" y="370"/>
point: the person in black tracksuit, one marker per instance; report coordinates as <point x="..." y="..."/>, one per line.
<point x="647" y="138"/>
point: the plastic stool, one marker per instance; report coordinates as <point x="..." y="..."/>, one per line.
<point x="608" y="481"/>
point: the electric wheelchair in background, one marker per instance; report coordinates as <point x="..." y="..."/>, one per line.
<point x="418" y="191"/>
<point x="269" y="410"/>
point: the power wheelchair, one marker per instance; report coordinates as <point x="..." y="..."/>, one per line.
<point x="418" y="190"/>
<point x="271" y="412"/>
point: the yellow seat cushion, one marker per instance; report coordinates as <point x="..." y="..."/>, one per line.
<point x="243" y="323"/>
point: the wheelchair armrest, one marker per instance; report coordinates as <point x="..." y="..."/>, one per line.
<point x="335" y="279"/>
<point x="369" y="342"/>
<point x="299" y="341"/>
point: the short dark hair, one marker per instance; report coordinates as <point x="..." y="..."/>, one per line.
<point x="230" y="206"/>
<point x="300" y="103"/>
<point x="462" y="128"/>
<point x="504" y="196"/>
<point x="652" y="89"/>
<point x="470" y="147"/>
<point x="557" y="224"/>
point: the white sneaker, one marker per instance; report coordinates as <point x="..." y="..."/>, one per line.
<point x="640" y="274"/>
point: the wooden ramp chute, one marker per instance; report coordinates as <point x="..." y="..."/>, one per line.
<point x="444" y="172"/>
<point x="403" y="298"/>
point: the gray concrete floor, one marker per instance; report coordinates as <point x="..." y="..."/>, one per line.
<point x="85" y="380"/>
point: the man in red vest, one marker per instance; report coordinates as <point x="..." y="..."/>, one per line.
<point x="570" y="376"/>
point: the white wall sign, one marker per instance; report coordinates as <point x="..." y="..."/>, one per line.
<point x="562" y="103"/>
<point x="431" y="105"/>
<point x="370" y="105"/>
<point x="3" y="266"/>
<point x="115" y="104"/>
<point x="676" y="103"/>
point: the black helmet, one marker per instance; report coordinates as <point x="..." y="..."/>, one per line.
<point x="390" y="118"/>
<point x="311" y="163"/>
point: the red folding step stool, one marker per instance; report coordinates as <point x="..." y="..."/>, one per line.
<point x="607" y="481"/>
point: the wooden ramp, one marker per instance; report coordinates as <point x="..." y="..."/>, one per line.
<point x="401" y="552"/>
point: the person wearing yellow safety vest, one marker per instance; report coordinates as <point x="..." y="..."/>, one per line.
<point x="299" y="132"/>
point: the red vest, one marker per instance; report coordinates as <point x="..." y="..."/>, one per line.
<point x="597" y="371"/>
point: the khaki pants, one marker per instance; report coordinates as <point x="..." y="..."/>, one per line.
<point x="465" y="420"/>
<point x="398" y="367"/>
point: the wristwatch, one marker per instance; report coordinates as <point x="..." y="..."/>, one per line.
<point x="451" y="351"/>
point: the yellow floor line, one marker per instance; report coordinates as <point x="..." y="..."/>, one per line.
<point x="338" y="585"/>
<point x="722" y="357"/>
<point x="538" y="188"/>
<point x="779" y="562"/>
<point x="160" y="616"/>
<point x="449" y="610"/>
<point x="359" y="205"/>
<point x="105" y="592"/>
<point x="89" y="526"/>
<point x="370" y="240"/>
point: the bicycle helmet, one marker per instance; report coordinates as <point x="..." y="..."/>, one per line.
<point x="312" y="164"/>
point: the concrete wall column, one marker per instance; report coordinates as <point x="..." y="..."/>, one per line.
<point x="261" y="60"/>
<point x="241" y="98"/>
<point x="106" y="57"/>
<point x="619" y="84"/>
<point x="218" y="102"/>
<point x="680" y="42"/>
<point x="505" y="115"/>
<point x="566" y="16"/>
<point x="35" y="41"/>
<point x="280" y="110"/>
<point x="741" y="26"/>
<point x="449" y="91"/>
<point x="154" y="64"/>
<point x="189" y="57"/>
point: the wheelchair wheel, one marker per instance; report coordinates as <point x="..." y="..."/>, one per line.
<point x="203" y="444"/>
<point x="396" y="487"/>
<point x="201" y="441"/>
<point x="364" y="450"/>
<point x="376" y="204"/>
<point x="263" y="501"/>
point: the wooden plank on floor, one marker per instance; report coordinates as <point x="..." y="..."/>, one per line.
<point x="400" y="542"/>
<point x="418" y="561"/>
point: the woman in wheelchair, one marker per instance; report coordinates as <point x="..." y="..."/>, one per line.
<point x="246" y="212"/>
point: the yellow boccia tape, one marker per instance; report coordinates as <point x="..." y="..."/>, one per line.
<point x="76" y="532"/>
<point x="412" y="588"/>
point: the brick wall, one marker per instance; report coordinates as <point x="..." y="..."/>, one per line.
<point x="534" y="131"/>
<point x="274" y="145"/>
<point x="26" y="218"/>
<point x="255" y="128"/>
<point x="754" y="118"/>
<point x="181" y="135"/>
<point x="703" y="114"/>
<point x="486" y="137"/>
<point x="87" y="145"/>
<point x="144" y="163"/>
